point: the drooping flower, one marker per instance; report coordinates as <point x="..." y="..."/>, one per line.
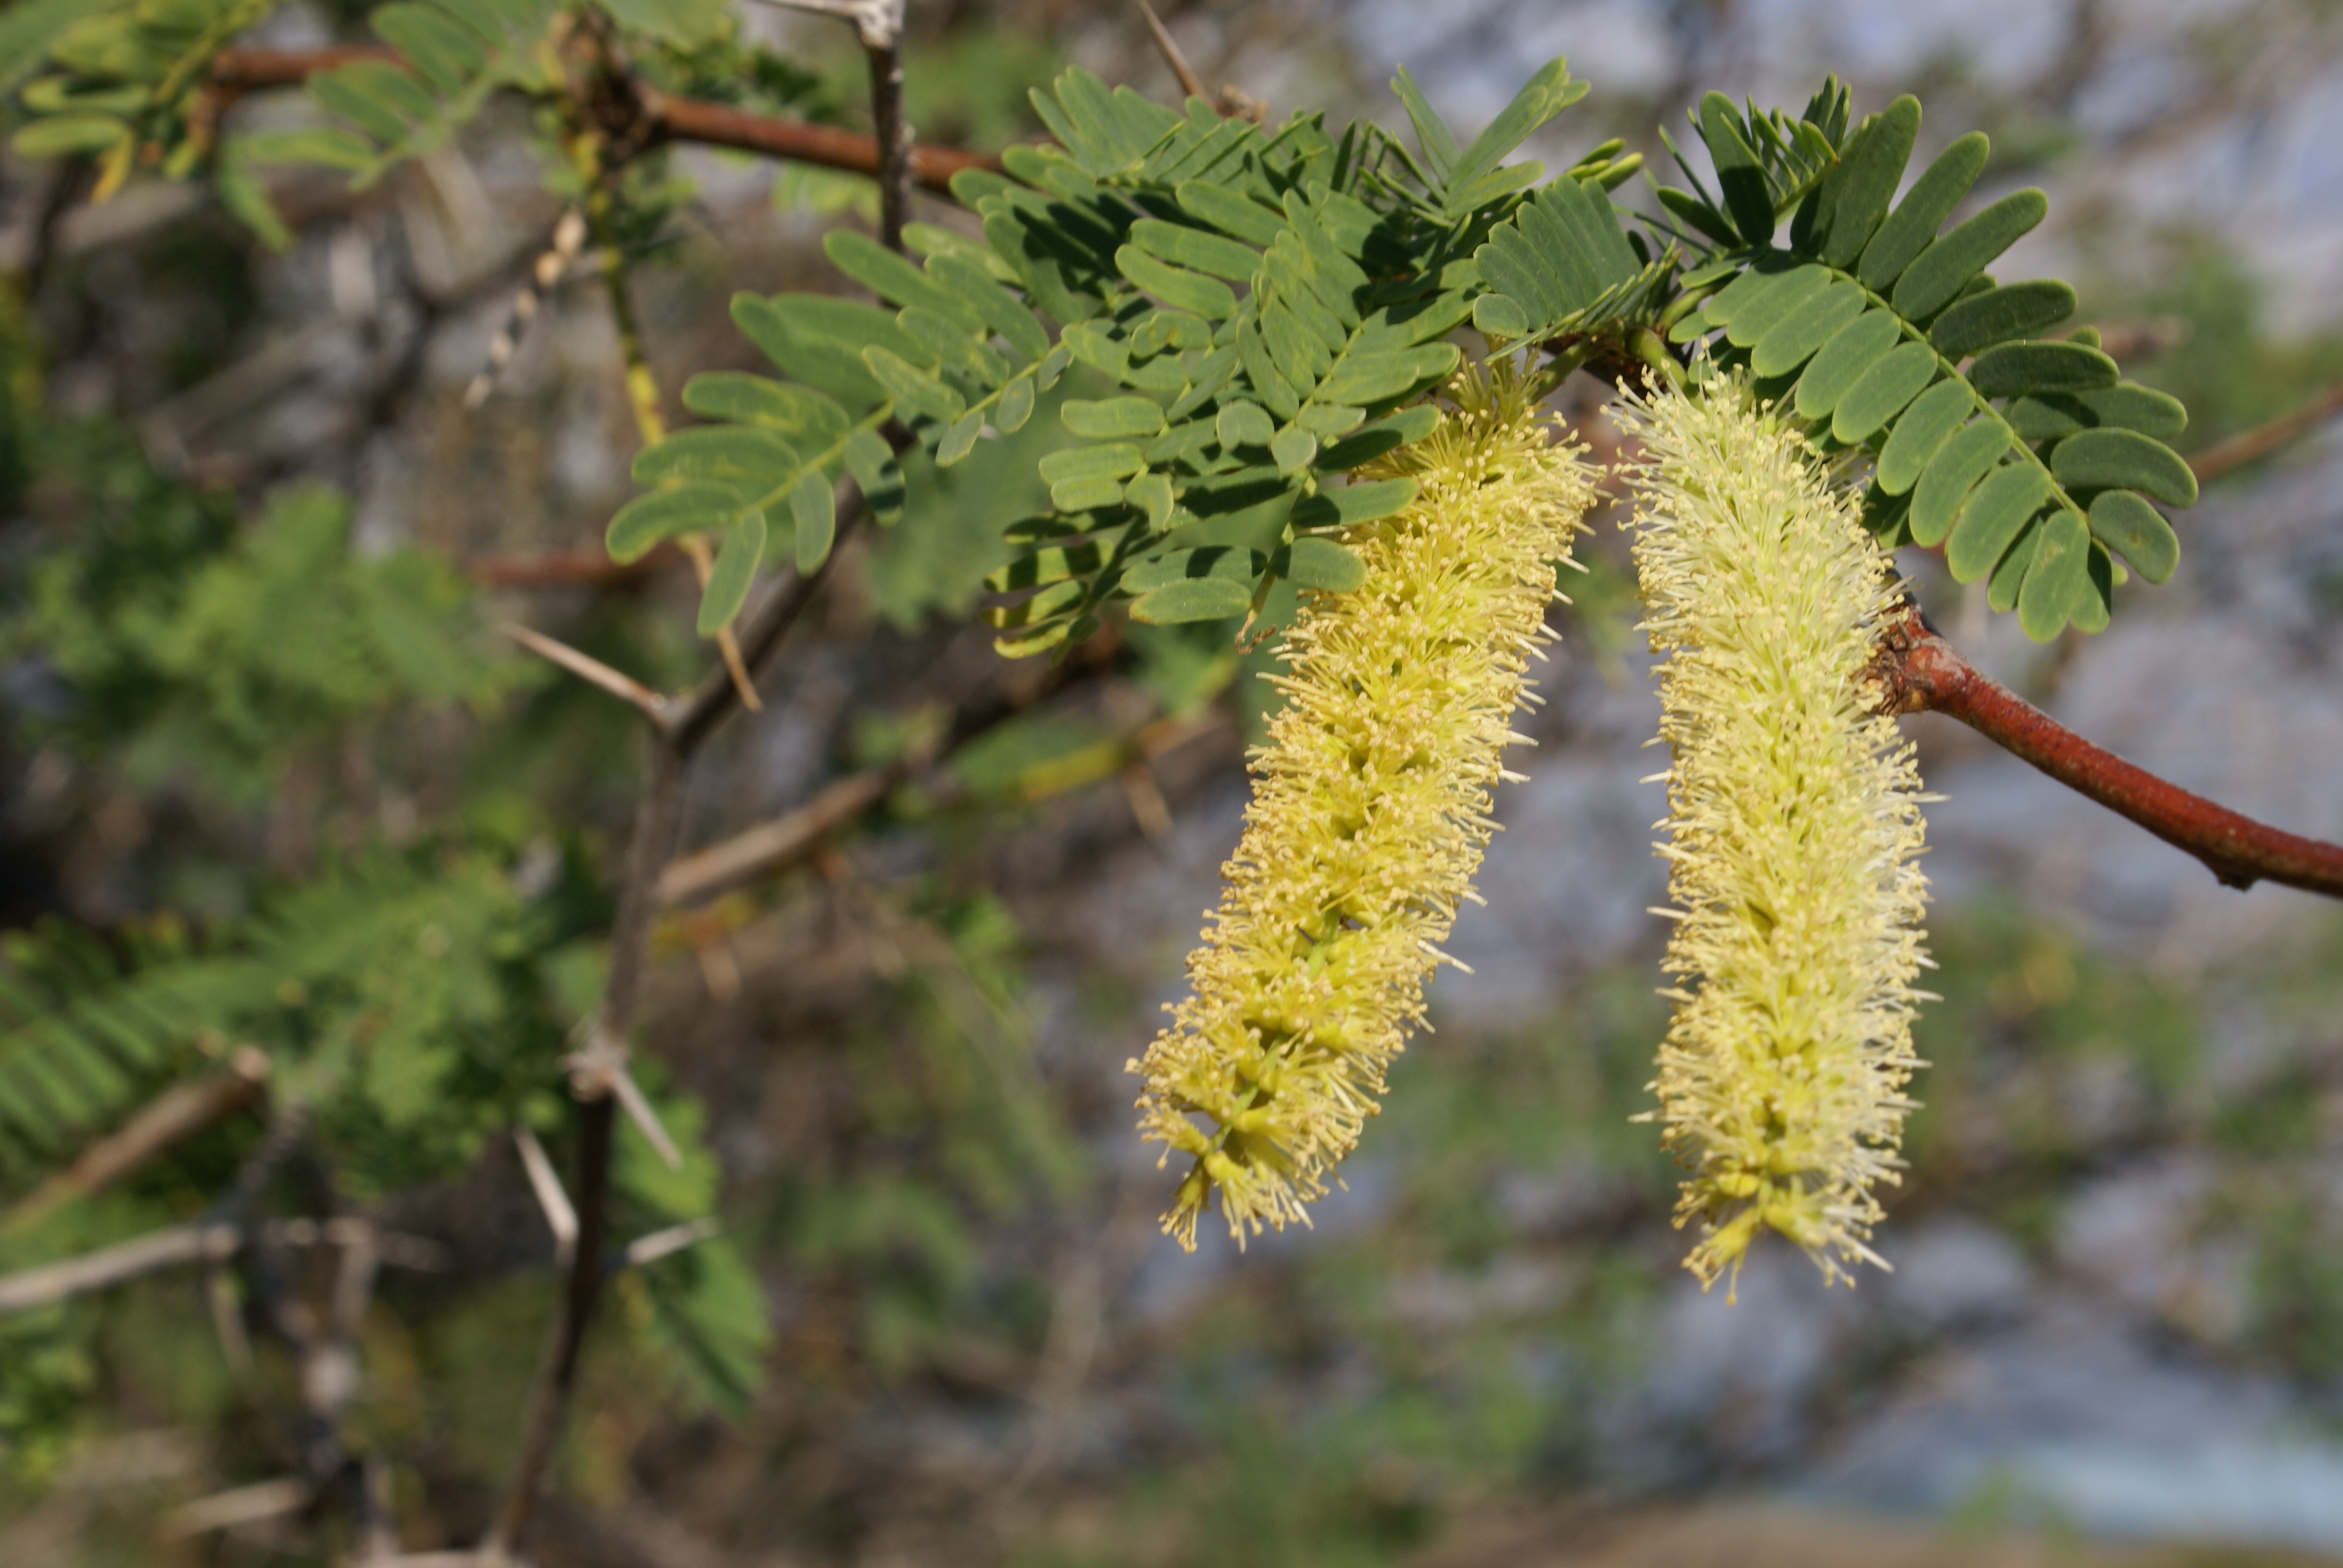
<point x="1793" y="825"/>
<point x="1369" y="813"/>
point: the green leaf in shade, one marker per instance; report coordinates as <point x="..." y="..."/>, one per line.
<point x="1794" y="339"/>
<point x="1292" y="448"/>
<point x="445" y="52"/>
<point x="1196" y="249"/>
<point x="1880" y="393"/>
<point x="1432" y="133"/>
<point x="1752" y="283"/>
<point x="1052" y="600"/>
<point x="2015" y="367"/>
<point x="328" y="146"/>
<point x="2126" y="406"/>
<point x="2138" y="532"/>
<point x="1192" y="599"/>
<point x="1989" y="523"/>
<point x="2092" y="605"/>
<point x="1697" y="212"/>
<point x="1086" y="492"/>
<point x="658" y="515"/>
<point x="736" y="560"/>
<point x="1231" y="211"/>
<point x="1859" y="190"/>
<point x="1015" y="406"/>
<point x="959" y="440"/>
<point x="1321" y="564"/>
<point x="1175" y="286"/>
<point x="1116" y="460"/>
<point x="891" y="277"/>
<point x="1998" y="315"/>
<point x="61" y="135"/>
<point x="2123" y="459"/>
<point x="1228" y="563"/>
<point x="972" y="283"/>
<point x="1946" y="267"/>
<point x="912" y="387"/>
<point x="792" y="341"/>
<point x="1111" y="417"/>
<point x="1342" y="505"/>
<point x="2057" y="575"/>
<point x="1546" y="94"/>
<point x="743" y="457"/>
<point x="1739" y="174"/>
<point x="813" y="506"/>
<point x="1756" y="315"/>
<point x="872" y="463"/>
<point x="795" y="413"/>
<point x="1841" y="361"/>
<point x="1497" y="316"/>
<point x="1924" y="209"/>
<point x="1932" y="418"/>
<point x="2009" y="576"/>
<point x="1052" y="564"/>
<point x="1409" y="425"/>
<point x="1959" y="463"/>
<point x="1151" y="495"/>
<point x="1379" y="376"/>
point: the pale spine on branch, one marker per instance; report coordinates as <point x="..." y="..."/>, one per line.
<point x="1793" y="827"/>
<point x="1369" y="813"/>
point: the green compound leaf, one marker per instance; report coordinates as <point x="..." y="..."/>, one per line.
<point x="2138" y="532"/>
<point x="1863" y="322"/>
<point x="2123" y="459"/>
<point x="1924" y="209"/>
<point x="737" y="560"/>
<point x="455" y="57"/>
<point x="1321" y="564"/>
<point x="1192" y="599"/>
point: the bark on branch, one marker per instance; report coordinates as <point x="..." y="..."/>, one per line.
<point x="1921" y="671"/>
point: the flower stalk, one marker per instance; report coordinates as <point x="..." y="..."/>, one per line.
<point x="1794" y="827"/>
<point x="1369" y="813"/>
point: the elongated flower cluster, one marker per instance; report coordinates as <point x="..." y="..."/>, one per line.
<point x="1369" y="816"/>
<point x="1794" y="824"/>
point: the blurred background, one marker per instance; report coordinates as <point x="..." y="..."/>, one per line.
<point x="945" y="1328"/>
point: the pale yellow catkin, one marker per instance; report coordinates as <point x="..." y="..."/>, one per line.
<point x="1369" y="813"/>
<point x="1794" y="827"/>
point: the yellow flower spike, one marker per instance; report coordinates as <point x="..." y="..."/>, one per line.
<point x="1793" y="827"/>
<point x="1369" y="815"/>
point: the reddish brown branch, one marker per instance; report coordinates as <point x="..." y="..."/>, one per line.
<point x="2263" y="439"/>
<point x="235" y="71"/>
<point x="1922" y="671"/>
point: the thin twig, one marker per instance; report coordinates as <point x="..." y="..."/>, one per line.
<point x="1921" y="671"/>
<point x="2263" y="439"/>
<point x="1190" y="82"/>
<point x="179" y="1112"/>
<point x="787" y="841"/>
<point x="882" y="26"/>
<point x="197" y="1241"/>
<point x="672" y="118"/>
<point x="693" y="719"/>
<point x="665" y="1243"/>
<point x="560" y="1217"/>
<point x="243" y="1506"/>
<point x="592" y="670"/>
<point x="783" y="842"/>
